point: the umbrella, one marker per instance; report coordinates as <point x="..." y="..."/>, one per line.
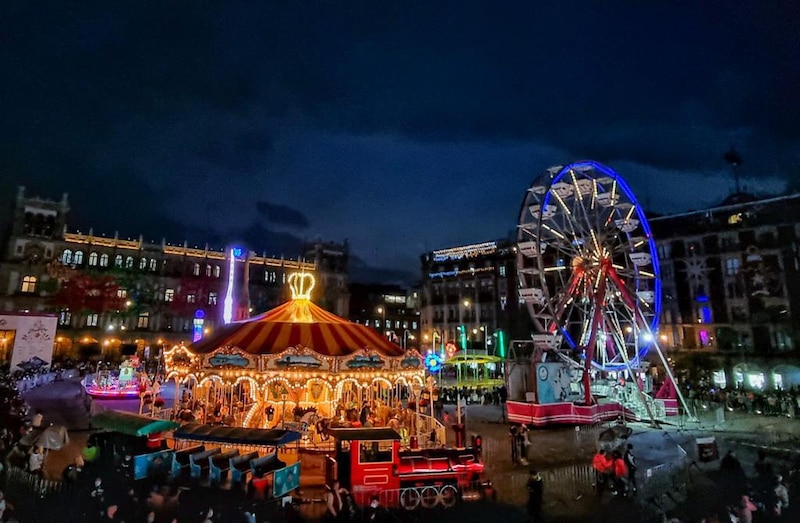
<point x="54" y="437"/>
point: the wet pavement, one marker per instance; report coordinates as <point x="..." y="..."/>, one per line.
<point x="670" y="477"/>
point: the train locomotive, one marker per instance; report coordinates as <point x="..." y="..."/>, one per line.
<point x="369" y="462"/>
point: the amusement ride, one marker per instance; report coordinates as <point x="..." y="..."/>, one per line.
<point x="589" y="278"/>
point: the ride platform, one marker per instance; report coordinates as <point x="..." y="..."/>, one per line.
<point x="568" y="413"/>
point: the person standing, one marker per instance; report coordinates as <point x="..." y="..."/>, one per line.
<point x="333" y="503"/>
<point x="630" y="461"/>
<point x="35" y="461"/>
<point x="535" y="496"/>
<point x="512" y="432"/>
<point x="522" y="443"/>
<point x="620" y="471"/>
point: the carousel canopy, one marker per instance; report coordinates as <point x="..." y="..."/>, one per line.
<point x="130" y="424"/>
<point x="297" y="323"/>
<point x="236" y="435"/>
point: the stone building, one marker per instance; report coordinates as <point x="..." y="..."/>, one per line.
<point x="731" y="287"/>
<point x="109" y="291"/>
<point x="469" y="295"/>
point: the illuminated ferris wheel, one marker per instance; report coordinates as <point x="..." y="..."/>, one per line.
<point x="588" y="266"/>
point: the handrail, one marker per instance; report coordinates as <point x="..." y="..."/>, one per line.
<point x="428" y="424"/>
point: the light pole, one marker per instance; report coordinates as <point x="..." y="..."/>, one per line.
<point x="382" y="312"/>
<point x="407" y="336"/>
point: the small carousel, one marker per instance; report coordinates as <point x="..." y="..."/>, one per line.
<point x="295" y="362"/>
<point x="128" y="381"/>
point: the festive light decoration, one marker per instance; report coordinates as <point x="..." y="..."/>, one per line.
<point x="433" y="362"/>
<point x="227" y="310"/>
<point x="301" y="284"/>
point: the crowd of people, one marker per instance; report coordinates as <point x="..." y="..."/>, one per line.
<point x="702" y="394"/>
<point x="761" y="494"/>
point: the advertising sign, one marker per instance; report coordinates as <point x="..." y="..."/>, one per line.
<point x="553" y="382"/>
<point x="286" y="480"/>
<point x="33" y="340"/>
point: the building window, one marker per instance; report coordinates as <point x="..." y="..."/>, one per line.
<point x="153" y="265"/>
<point x="196" y="270"/>
<point x="118" y="261"/>
<point x="29" y="284"/>
<point x="64" y="318"/>
<point x="732" y="266"/>
<point x="91" y="320"/>
<point x="104" y="260"/>
<point x="122" y="293"/>
<point x="129" y="262"/>
<point x="191" y="298"/>
<point x="143" y="264"/>
<point x="169" y="295"/>
<point x="212" y="298"/>
<point x="144" y="320"/>
<point x="502" y="271"/>
<point x="66" y="257"/>
<point x="216" y="271"/>
<point x="78" y="258"/>
<point x="93" y="259"/>
<point x="208" y="271"/>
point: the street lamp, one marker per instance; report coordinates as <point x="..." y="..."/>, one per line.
<point x="407" y="336"/>
<point x="382" y="312"/>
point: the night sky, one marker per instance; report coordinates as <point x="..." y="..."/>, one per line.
<point x="400" y="126"/>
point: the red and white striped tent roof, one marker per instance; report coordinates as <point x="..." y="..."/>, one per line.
<point x="297" y="323"/>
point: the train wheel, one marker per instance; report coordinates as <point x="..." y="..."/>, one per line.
<point x="449" y="496"/>
<point x="430" y="497"/>
<point x="409" y="498"/>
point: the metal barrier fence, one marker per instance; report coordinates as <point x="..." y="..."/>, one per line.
<point x="35" y="484"/>
<point x="666" y="485"/>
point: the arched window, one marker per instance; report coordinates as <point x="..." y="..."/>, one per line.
<point x="29" y="284"/>
<point x="78" y="258"/>
<point x="216" y="271"/>
<point x="104" y="260"/>
<point x="93" y="259"/>
<point x="153" y="264"/>
<point x="129" y="262"/>
<point x="143" y="264"/>
<point x="118" y="261"/>
<point x="66" y="257"/>
<point x="208" y="271"/>
<point x="196" y="270"/>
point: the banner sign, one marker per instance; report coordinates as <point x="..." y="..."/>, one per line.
<point x="33" y="340"/>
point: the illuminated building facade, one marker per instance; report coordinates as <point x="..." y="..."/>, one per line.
<point x="731" y="287"/>
<point x="143" y="294"/>
<point x="469" y="298"/>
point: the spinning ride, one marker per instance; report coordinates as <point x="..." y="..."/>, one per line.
<point x="126" y="382"/>
<point x="292" y="363"/>
<point x="588" y="269"/>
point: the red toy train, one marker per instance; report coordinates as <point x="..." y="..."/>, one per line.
<point x="368" y="462"/>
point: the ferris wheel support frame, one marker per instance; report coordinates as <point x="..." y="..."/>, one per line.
<point x="640" y="320"/>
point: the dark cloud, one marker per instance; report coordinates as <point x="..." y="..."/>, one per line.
<point x="171" y="106"/>
<point x="266" y="241"/>
<point x="279" y="214"/>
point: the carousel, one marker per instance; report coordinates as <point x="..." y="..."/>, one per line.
<point x="295" y="362"/>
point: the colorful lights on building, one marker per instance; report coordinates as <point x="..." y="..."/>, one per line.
<point x="465" y="251"/>
<point x="227" y="307"/>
